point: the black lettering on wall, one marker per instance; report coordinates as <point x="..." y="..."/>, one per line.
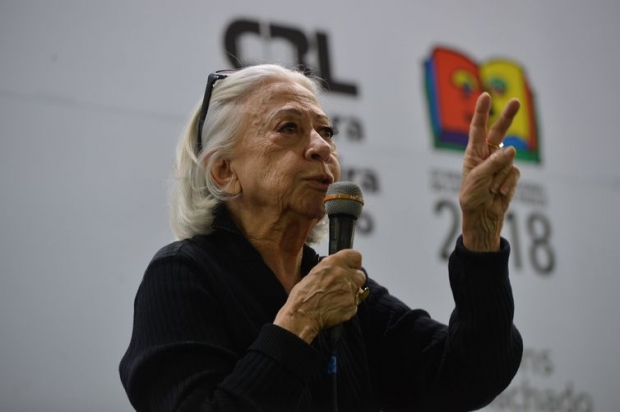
<point x="326" y="71"/>
<point x="234" y="32"/>
<point x="298" y="40"/>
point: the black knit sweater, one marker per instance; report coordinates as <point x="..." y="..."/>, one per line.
<point x="203" y="338"/>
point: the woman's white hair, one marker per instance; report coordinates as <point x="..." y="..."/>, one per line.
<point x="195" y="194"/>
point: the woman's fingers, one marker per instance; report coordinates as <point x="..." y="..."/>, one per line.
<point x="504" y="180"/>
<point x="498" y="162"/>
<point x="351" y="261"/>
<point x="502" y="124"/>
<point x="482" y="140"/>
<point x="328" y="293"/>
<point x="478" y="126"/>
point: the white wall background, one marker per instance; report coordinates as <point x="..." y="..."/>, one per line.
<point x="93" y="96"/>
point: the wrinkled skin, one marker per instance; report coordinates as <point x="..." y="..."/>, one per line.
<point x="489" y="177"/>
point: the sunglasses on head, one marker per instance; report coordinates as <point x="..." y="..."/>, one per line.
<point x="213" y="77"/>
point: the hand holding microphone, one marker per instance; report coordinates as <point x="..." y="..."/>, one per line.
<point x="326" y="297"/>
<point x="330" y="293"/>
<point x="343" y="204"/>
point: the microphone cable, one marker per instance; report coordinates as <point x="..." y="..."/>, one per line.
<point x="334" y="339"/>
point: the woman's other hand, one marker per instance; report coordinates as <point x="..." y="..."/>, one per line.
<point x="489" y="177"/>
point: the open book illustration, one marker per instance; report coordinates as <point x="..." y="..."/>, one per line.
<point x="454" y="82"/>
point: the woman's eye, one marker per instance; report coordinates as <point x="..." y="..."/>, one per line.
<point x="327" y="132"/>
<point x="288" y="127"/>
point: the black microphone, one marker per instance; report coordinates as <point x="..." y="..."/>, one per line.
<point x="343" y="204"/>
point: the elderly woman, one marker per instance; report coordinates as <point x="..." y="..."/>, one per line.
<point x="234" y="315"/>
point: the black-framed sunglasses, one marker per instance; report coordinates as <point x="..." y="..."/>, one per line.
<point x="213" y="77"/>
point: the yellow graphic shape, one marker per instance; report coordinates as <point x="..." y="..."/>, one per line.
<point x="466" y="81"/>
<point x="505" y="80"/>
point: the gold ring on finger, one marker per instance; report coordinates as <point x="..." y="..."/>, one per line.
<point x="494" y="146"/>
<point x="361" y="295"/>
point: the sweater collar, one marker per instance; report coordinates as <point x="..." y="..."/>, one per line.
<point x="223" y="221"/>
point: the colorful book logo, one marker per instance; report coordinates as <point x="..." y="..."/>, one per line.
<point x="454" y="82"/>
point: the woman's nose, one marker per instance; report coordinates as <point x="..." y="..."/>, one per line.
<point x="318" y="148"/>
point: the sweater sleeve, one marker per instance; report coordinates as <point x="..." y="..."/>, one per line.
<point x="180" y="356"/>
<point x="422" y="364"/>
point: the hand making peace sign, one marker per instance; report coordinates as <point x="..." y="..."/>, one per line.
<point x="489" y="177"/>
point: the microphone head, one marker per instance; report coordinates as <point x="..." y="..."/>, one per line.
<point x="344" y="198"/>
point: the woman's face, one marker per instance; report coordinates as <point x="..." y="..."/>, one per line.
<point x="286" y="158"/>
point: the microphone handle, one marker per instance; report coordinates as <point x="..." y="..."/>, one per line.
<point x="341" y="231"/>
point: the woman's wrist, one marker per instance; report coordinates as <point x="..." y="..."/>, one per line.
<point x="481" y="235"/>
<point x="297" y="323"/>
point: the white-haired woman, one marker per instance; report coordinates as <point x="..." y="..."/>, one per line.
<point x="234" y="315"/>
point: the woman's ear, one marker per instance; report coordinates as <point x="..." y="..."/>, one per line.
<point x="223" y="174"/>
